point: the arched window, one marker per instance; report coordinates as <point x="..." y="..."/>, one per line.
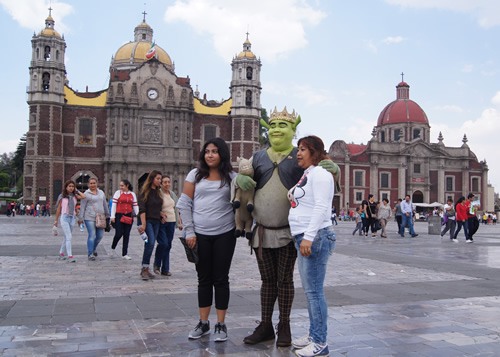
<point x="248" y="98"/>
<point x="46" y="53"/>
<point x="45" y="81"/>
<point x="416" y="133"/>
<point x="249" y="72"/>
<point x="382" y="136"/>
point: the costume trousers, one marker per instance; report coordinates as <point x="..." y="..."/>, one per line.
<point x="276" y="272"/>
<point x="215" y="254"/>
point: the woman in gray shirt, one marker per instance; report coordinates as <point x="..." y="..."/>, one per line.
<point x="207" y="215"/>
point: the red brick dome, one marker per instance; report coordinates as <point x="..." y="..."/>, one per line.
<point x="403" y="109"/>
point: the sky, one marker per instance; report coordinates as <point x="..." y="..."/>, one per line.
<point x="335" y="62"/>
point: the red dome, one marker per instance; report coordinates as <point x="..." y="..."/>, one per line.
<point x="402" y="111"/>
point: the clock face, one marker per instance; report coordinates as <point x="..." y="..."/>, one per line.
<point x="152" y="94"/>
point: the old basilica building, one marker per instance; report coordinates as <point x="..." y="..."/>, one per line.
<point x="400" y="159"/>
<point x="148" y="117"/>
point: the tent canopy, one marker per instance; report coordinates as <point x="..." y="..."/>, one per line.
<point x="434" y="204"/>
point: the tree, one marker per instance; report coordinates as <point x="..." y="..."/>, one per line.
<point x="18" y="159"/>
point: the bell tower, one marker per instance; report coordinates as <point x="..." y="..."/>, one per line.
<point x="44" y="140"/>
<point x="246" y="107"/>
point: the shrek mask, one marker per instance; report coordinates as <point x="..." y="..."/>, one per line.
<point x="282" y="126"/>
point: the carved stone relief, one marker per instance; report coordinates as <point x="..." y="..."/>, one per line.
<point x="151" y="131"/>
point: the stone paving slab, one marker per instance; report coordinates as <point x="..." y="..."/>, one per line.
<point x="387" y="297"/>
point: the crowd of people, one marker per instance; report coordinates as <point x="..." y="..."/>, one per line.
<point x="39" y="209"/>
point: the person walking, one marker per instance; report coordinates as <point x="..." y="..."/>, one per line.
<point x="65" y="215"/>
<point x="398" y="214"/>
<point x="461" y="218"/>
<point x="207" y="215"/>
<point x="407" y="221"/>
<point x="383" y="215"/>
<point x="371" y="211"/>
<point x="93" y="204"/>
<point x="334" y="215"/>
<point x="150" y="202"/>
<point x="314" y="240"/>
<point x="124" y="206"/>
<point x="359" y="222"/>
<point x="472" y="220"/>
<point x="449" y="214"/>
<point x="170" y="219"/>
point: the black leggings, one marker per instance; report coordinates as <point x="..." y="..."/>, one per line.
<point x="215" y="256"/>
<point x="122" y="229"/>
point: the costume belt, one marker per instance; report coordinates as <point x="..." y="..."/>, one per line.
<point x="260" y="229"/>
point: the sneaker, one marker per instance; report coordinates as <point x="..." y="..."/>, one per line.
<point x="263" y="332"/>
<point x="313" y="349"/>
<point x="301" y="342"/>
<point x="166" y="273"/>
<point x="220" y="332"/>
<point x="454" y="240"/>
<point x="200" y="330"/>
<point x="62" y="256"/>
<point x="91" y="258"/>
<point x="469" y="241"/>
<point x="71" y="259"/>
<point x="414" y="235"/>
<point x="95" y="253"/>
<point x="126" y="257"/>
<point x="144" y="274"/>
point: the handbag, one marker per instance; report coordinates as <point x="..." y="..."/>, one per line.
<point x="126" y="219"/>
<point x="378" y="225"/>
<point x="191" y="253"/>
<point x="100" y="220"/>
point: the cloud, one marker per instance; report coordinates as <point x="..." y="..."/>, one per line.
<point x="487" y="12"/>
<point x="27" y="12"/>
<point x="306" y="94"/>
<point x="468" y="68"/>
<point x="278" y="26"/>
<point x="393" y="40"/>
<point x="496" y="98"/>
<point x="482" y="135"/>
<point x="370" y="46"/>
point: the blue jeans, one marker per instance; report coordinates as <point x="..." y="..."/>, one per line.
<point x="407" y="220"/>
<point x="165" y="238"/>
<point x="67" y="223"/>
<point x="312" y="271"/>
<point x="461" y="224"/>
<point x="152" y="230"/>
<point x="94" y="236"/>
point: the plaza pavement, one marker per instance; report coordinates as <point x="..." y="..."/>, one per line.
<point x="423" y="296"/>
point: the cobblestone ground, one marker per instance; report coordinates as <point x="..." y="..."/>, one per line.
<point x="423" y="296"/>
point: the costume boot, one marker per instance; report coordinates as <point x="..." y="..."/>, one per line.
<point x="263" y="332"/>
<point x="284" y="334"/>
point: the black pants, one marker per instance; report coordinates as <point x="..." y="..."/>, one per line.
<point x="121" y="230"/>
<point x="215" y="256"/>
<point x="473" y="223"/>
<point x="399" y="219"/>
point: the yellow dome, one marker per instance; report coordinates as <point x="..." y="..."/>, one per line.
<point x="135" y="53"/>
<point x="246" y="54"/>
<point x="48" y="32"/>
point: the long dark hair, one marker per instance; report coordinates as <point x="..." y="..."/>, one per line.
<point x="224" y="168"/>
<point x="65" y="192"/>
<point x="146" y="186"/>
<point x="315" y="145"/>
<point x="128" y="184"/>
<point x="459" y="201"/>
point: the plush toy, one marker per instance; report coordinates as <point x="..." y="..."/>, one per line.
<point x="243" y="202"/>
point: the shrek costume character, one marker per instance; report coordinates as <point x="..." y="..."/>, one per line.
<point x="275" y="172"/>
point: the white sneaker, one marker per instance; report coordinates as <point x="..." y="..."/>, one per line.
<point x="301" y="342"/>
<point x="126" y="257"/>
<point x="312" y="350"/>
<point x="454" y="240"/>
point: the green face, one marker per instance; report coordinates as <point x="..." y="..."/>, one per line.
<point x="280" y="135"/>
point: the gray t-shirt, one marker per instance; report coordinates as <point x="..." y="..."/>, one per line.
<point x="212" y="208"/>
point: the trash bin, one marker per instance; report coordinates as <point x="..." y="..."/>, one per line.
<point x="434" y="225"/>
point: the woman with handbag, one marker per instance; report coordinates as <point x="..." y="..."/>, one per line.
<point x="65" y="215"/>
<point x="449" y="214"/>
<point x="207" y="214"/>
<point x="124" y="204"/>
<point x="93" y="211"/>
<point x="169" y="221"/>
<point x="150" y="203"/>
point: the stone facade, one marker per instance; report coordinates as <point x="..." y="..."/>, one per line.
<point x="148" y="117"/>
<point x="400" y="160"/>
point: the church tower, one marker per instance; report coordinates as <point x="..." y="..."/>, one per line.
<point x="246" y="107"/>
<point x="46" y="100"/>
